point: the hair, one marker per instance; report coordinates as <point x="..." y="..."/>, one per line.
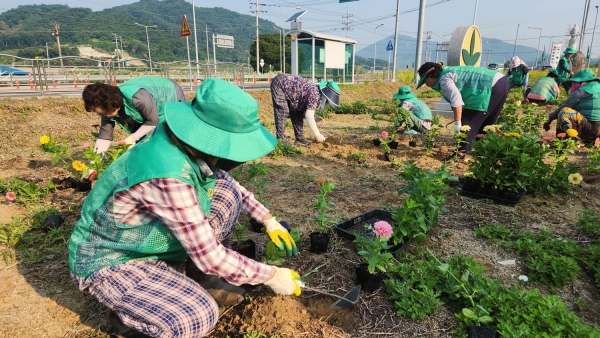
<point x="437" y="69"/>
<point x="107" y="97"/>
<point x="552" y="75"/>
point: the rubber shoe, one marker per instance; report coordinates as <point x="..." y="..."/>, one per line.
<point x="411" y="132"/>
<point x="123" y="331"/>
<point x="303" y="141"/>
<point x="224" y="293"/>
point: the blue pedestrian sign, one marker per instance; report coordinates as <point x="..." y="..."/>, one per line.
<point x="389" y="47"/>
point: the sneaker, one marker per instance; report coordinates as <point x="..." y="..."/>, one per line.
<point x="303" y="141"/>
<point x="412" y="132"/>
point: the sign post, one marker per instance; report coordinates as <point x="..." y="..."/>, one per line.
<point x="223" y="41"/>
<point x="389" y="49"/>
<point x="185" y="31"/>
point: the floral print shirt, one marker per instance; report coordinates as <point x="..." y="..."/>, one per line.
<point x="301" y="93"/>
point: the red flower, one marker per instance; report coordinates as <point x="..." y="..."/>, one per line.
<point x="561" y="135"/>
<point x="480" y="135"/>
<point x="549" y="106"/>
<point x="597" y="142"/>
<point x="547" y="138"/>
<point x="121" y="142"/>
<point x="384" y="134"/>
<point x="87" y="145"/>
<point x="11" y="196"/>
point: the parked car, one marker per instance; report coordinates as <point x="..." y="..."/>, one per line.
<point x="493" y="66"/>
<point x="547" y="67"/>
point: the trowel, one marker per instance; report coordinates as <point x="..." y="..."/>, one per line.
<point x="344" y="302"/>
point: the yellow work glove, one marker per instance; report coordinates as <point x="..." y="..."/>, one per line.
<point x="280" y="236"/>
<point x="285" y="282"/>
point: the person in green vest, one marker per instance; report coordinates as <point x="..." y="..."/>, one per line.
<point x="580" y="79"/>
<point x="136" y="105"/>
<point x="476" y="95"/>
<point x="420" y="117"/>
<point x="579" y="115"/>
<point x="170" y="199"/>
<point x="544" y="90"/>
<point x="518" y="74"/>
<point x="564" y="66"/>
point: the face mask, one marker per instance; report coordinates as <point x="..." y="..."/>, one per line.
<point x="227" y="165"/>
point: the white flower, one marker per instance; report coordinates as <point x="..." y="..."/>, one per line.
<point x="91" y="162"/>
<point x="523" y="278"/>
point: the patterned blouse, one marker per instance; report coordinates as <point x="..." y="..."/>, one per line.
<point x="302" y="94"/>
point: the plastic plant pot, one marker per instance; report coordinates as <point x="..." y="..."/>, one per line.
<point x="246" y="248"/>
<point x="475" y="189"/>
<point x="376" y="142"/>
<point x="481" y="332"/>
<point x="84" y="185"/>
<point x="369" y="282"/>
<point x="256" y="225"/>
<point x="319" y="241"/>
<point x="53" y="221"/>
<point x="393" y="145"/>
<point x="412" y="143"/>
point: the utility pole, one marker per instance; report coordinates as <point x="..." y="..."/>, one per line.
<point x="419" y="39"/>
<point x="117" y="47"/>
<point x="207" y="51"/>
<point x="585" y="16"/>
<point x="515" y="47"/>
<point x="487" y="61"/>
<point x="48" y="52"/>
<point x="195" y="38"/>
<point x="56" y="28"/>
<point x="428" y="33"/>
<point x="375" y="51"/>
<point x="593" y="33"/>
<point x="257" y="58"/>
<point x="348" y="22"/>
<point x="396" y="42"/>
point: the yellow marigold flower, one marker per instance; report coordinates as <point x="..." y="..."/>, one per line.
<point x="572" y="132"/>
<point x="78" y="165"/>
<point x="465" y="128"/>
<point x="512" y="134"/>
<point x="518" y="103"/>
<point x="575" y="178"/>
<point x="45" y="139"/>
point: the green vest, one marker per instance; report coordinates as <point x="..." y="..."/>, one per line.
<point x="516" y="76"/>
<point x="590" y="106"/>
<point x="422" y="111"/>
<point x="474" y="84"/>
<point x="161" y="89"/>
<point x="544" y="87"/>
<point x="563" y="73"/>
<point x="98" y="241"/>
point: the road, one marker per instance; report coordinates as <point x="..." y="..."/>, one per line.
<point x="65" y="91"/>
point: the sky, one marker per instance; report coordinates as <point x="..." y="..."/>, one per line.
<point x="505" y="20"/>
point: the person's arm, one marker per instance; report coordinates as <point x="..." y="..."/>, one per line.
<point x="175" y="204"/>
<point x="145" y="104"/>
<point x="570" y="102"/>
<point x="525" y="70"/>
<point x="312" y="124"/>
<point x="449" y="90"/>
<point x="179" y="91"/>
<point x="105" y="135"/>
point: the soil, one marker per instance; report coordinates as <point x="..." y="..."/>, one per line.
<point x="39" y="299"/>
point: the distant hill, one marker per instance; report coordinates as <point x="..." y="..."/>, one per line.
<point x="499" y="52"/>
<point x="25" y="30"/>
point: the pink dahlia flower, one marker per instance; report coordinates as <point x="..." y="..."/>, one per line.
<point x="547" y="138"/>
<point x="383" y="229"/>
<point x="384" y="134"/>
<point x="480" y="135"/>
<point x="87" y="145"/>
<point x="549" y="106"/>
<point x="11" y="196"/>
<point x="561" y="135"/>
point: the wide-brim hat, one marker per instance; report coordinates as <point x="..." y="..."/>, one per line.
<point x="222" y="122"/>
<point x="570" y="50"/>
<point x="553" y="71"/>
<point x="584" y="75"/>
<point x="331" y="91"/>
<point x="404" y="93"/>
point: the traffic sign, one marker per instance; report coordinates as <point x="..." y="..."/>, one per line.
<point x="389" y="47"/>
<point x="185" y="28"/>
<point x="262" y="62"/>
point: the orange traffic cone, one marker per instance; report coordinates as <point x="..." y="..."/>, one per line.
<point x="18" y="87"/>
<point x="53" y="82"/>
<point x="195" y="80"/>
<point x="86" y="80"/>
<point x="237" y="82"/>
<point x="269" y="77"/>
<point x="255" y="78"/>
<point x="112" y="81"/>
<point x="75" y="81"/>
<point x="30" y="82"/>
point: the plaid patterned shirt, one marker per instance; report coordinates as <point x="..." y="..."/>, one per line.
<point x="302" y="94"/>
<point x="175" y="204"/>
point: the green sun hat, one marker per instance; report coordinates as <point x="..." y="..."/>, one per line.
<point x="584" y="75"/>
<point x="570" y="50"/>
<point x="423" y="76"/>
<point x="404" y="93"/>
<point x="331" y="91"/>
<point x="222" y="122"/>
<point x="553" y="71"/>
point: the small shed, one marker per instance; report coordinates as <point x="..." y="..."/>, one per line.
<point x="319" y="56"/>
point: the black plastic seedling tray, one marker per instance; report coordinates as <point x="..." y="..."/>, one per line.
<point x="354" y="226"/>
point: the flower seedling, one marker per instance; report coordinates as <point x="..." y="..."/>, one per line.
<point x="436" y="126"/>
<point x="256" y="171"/>
<point x="273" y="255"/>
<point x="373" y="249"/>
<point x="322" y="206"/>
<point x="460" y="138"/>
<point x="385" y="140"/>
<point x="238" y="233"/>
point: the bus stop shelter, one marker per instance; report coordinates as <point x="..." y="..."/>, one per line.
<point x="319" y="56"/>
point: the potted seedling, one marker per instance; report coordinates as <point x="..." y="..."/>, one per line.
<point x="374" y="250"/>
<point x="432" y="133"/>
<point x="256" y="171"/>
<point x="405" y="117"/>
<point x="319" y="240"/>
<point x="244" y="245"/>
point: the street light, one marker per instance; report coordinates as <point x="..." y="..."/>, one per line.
<point x="148" y="41"/>
<point x="280" y="58"/>
<point x="375" y="51"/>
<point x="538" y="47"/>
<point x="594" y="32"/>
<point x="283" y="32"/>
<point x="515" y="47"/>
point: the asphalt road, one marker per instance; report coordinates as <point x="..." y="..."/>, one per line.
<point x="26" y="92"/>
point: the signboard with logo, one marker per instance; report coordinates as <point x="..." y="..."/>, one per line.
<point x="465" y="47"/>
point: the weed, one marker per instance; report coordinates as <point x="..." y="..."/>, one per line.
<point x="286" y="150"/>
<point x="359" y="157"/>
<point x="589" y="223"/>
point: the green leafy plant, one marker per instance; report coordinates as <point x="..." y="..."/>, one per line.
<point x="239" y="232"/>
<point x="273" y="255"/>
<point x="373" y="249"/>
<point x="589" y="223"/>
<point x="593" y="158"/>
<point x="285" y="150"/>
<point x="10" y="235"/>
<point x="322" y="205"/>
<point x="419" y="212"/>
<point x="460" y="138"/>
<point x="256" y="173"/>
<point x="433" y="132"/>
<point x="26" y="193"/>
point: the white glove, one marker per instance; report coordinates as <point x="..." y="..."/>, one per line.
<point x="457" y="125"/>
<point x="101" y="146"/>
<point x="320" y="138"/>
<point x="131" y="141"/>
<point x="312" y="124"/>
<point x="280" y="236"/>
<point x="285" y="282"/>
